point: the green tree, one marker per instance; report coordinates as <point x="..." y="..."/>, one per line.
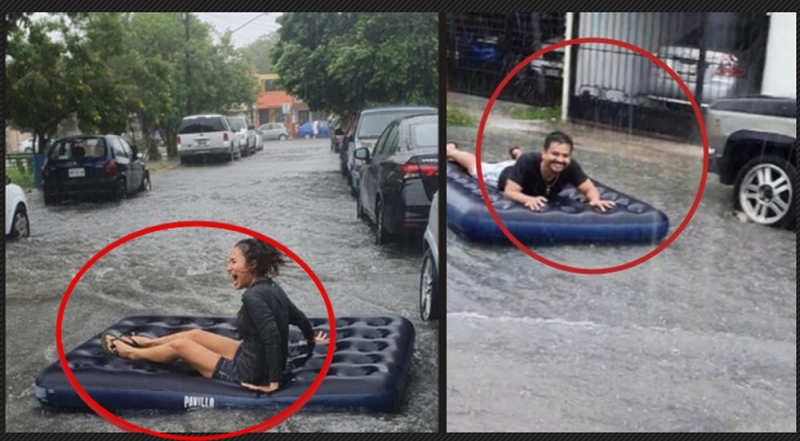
<point x="260" y="52"/>
<point x="40" y="88"/>
<point x="342" y="62"/>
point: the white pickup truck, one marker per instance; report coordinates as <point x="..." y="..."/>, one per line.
<point x="752" y="147"/>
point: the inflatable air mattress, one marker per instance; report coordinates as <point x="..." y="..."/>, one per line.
<point x="567" y="219"/>
<point x="370" y="370"/>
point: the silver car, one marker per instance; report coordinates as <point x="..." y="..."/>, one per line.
<point x="720" y="78"/>
<point x="273" y="131"/>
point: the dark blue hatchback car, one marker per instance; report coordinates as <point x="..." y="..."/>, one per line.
<point x="92" y="166"/>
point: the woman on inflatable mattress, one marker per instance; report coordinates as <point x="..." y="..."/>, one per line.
<point x="259" y="360"/>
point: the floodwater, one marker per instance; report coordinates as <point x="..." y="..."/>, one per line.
<point x="702" y="337"/>
<point x="291" y="192"/>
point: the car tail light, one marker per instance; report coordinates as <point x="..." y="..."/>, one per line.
<point x="45" y="171"/>
<point x="111" y="169"/>
<point x="729" y="71"/>
<point x="178" y="140"/>
<point x="225" y="136"/>
<point x="413" y="171"/>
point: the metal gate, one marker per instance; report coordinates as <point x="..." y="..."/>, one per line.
<point x="717" y="55"/>
<point x="483" y="48"/>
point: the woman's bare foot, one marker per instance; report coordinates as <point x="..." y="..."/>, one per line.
<point x="119" y="347"/>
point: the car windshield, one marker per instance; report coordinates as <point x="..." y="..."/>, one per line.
<point x="425" y="134"/>
<point x="237" y="124"/>
<point x="77" y="149"/>
<point x="372" y="124"/>
<point x="201" y="124"/>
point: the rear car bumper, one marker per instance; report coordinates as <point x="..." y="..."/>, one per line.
<point x="198" y="151"/>
<point x="78" y="187"/>
<point x="408" y="211"/>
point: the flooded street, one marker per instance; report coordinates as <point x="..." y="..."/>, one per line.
<point x="702" y="337"/>
<point x="292" y="192"/>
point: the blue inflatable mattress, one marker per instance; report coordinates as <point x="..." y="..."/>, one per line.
<point x="567" y="219"/>
<point x="369" y="371"/>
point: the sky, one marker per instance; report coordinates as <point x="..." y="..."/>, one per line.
<point x="262" y="23"/>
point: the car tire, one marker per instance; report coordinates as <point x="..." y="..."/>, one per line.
<point x="382" y="237"/>
<point x="307" y="136"/>
<point x="282" y="138"/>
<point x="147" y="184"/>
<point x="49" y="199"/>
<point x="429" y="288"/>
<point x="359" y="209"/>
<point x="121" y="192"/>
<point x="20" y="225"/>
<point x="755" y="196"/>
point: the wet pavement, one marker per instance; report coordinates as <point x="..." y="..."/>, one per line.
<point x="702" y="337"/>
<point x="291" y="192"/>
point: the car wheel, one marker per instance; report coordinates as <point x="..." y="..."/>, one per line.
<point x="282" y="138"/>
<point x="764" y="191"/>
<point x="307" y="136"/>
<point x="49" y="199"/>
<point x="147" y="185"/>
<point x="382" y="236"/>
<point x="20" y="226"/>
<point x="359" y="209"/>
<point x="428" y="288"/>
<point x="121" y="192"/>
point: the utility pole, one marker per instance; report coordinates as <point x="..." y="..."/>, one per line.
<point x="188" y="70"/>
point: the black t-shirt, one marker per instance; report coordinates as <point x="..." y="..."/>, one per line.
<point x="263" y="325"/>
<point x="527" y="172"/>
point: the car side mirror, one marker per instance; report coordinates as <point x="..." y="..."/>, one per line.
<point x="139" y="156"/>
<point x="361" y="153"/>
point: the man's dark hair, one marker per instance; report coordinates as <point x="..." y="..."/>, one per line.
<point x="511" y="150"/>
<point x="558" y="137"/>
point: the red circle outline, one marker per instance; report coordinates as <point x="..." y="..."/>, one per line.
<point x="124" y="425"/>
<point x="700" y="189"/>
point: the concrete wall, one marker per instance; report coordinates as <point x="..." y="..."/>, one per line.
<point x="781" y="66"/>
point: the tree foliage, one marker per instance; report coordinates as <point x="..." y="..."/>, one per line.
<point x="121" y="73"/>
<point x="260" y="53"/>
<point x="342" y="62"/>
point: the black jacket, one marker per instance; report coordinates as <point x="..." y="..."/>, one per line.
<point x="263" y="324"/>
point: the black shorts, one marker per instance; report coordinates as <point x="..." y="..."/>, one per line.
<point x="228" y="370"/>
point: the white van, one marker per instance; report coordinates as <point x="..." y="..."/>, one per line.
<point x="207" y="135"/>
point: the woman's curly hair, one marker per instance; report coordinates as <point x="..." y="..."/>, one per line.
<point x="268" y="259"/>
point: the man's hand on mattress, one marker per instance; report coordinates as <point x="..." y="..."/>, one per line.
<point x="535" y="203"/>
<point x="320" y="337"/>
<point x="602" y="205"/>
<point x="272" y="387"/>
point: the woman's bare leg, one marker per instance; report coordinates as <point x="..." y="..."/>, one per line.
<point x="464" y="159"/>
<point x="200" y="358"/>
<point x="223" y="346"/>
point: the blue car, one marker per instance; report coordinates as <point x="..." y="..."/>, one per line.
<point x="307" y="131"/>
<point x="92" y="166"/>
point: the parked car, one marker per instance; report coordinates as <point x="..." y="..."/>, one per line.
<point x="17" y="223"/>
<point x="306" y="130"/>
<point x="92" y="165"/>
<point x="206" y="135"/>
<point x="429" y="277"/>
<point x="370" y="125"/>
<point x="399" y="176"/>
<point x="720" y="78"/>
<point x="28" y="146"/>
<point x="753" y="147"/>
<point x="273" y="131"/>
<point x="245" y="134"/>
